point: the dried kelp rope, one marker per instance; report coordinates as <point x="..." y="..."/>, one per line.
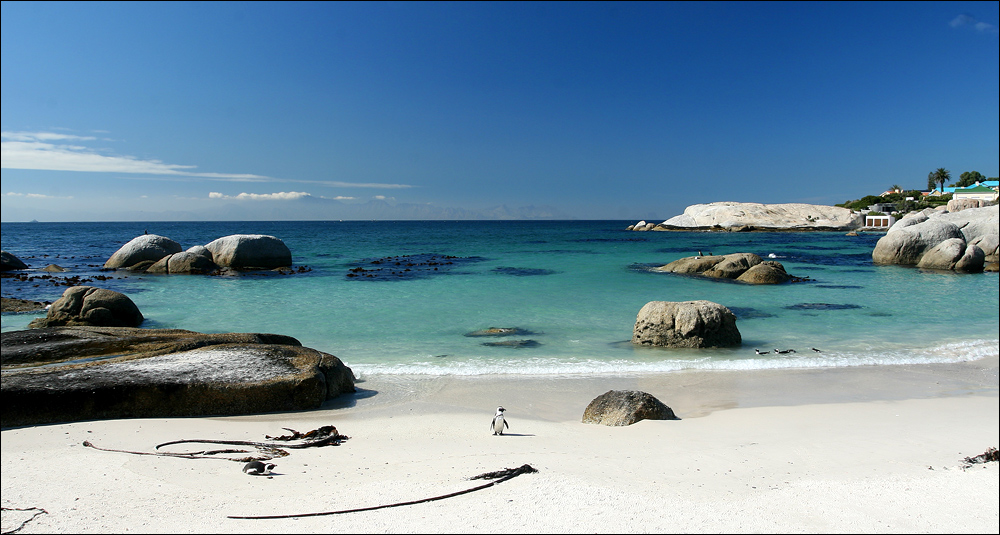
<point x="991" y="455"/>
<point x="38" y="511"/>
<point x="323" y="436"/>
<point x="503" y="475"/>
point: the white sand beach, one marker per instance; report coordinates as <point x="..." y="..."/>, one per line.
<point x="865" y="449"/>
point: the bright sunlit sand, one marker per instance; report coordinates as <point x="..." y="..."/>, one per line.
<point x="744" y="457"/>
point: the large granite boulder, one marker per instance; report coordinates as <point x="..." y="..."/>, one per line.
<point x="686" y="324"/>
<point x="626" y="407"/>
<point x="769" y="272"/>
<point x="196" y="260"/>
<point x="250" y="251"/>
<point x="9" y="262"/>
<point x="757" y="216"/>
<point x="84" y="373"/>
<point x="951" y="240"/>
<point x="732" y="266"/>
<point x="89" y="306"/>
<point x="148" y="247"/>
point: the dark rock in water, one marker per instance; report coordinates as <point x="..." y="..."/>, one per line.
<point x="52" y="268"/>
<point x="9" y="262"/>
<point x="522" y="272"/>
<point x="11" y="304"/>
<point x="743" y="267"/>
<point x="407" y="267"/>
<point x="626" y="407"/>
<point x="84" y="373"/>
<point x="197" y="260"/>
<point x="86" y="305"/>
<point x="686" y="324"/>
<point x="746" y="313"/>
<point x="501" y="331"/>
<point x="513" y="343"/>
<point x="822" y="306"/>
<point x="839" y="286"/>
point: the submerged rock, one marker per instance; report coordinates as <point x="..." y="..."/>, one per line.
<point x="500" y="331"/>
<point x="84" y="373"/>
<point x="686" y="324"/>
<point x="626" y="407"/>
<point x="89" y="306"/>
<point x="513" y="343"/>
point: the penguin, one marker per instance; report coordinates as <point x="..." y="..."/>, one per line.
<point x="785" y="351"/>
<point x="759" y="352"/>
<point x="816" y="350"/>
<point x="257" y="468"/>
<point x="498" y="422"/>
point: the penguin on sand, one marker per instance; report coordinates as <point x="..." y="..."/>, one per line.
<point x="498" y="422"/>
<point x="257" y="468"/>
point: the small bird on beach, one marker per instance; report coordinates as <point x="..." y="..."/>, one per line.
<point x="759" y="352"/>
<point x="816" y="350"/>
<point x="257" y="468"/>
<point x="785" y="351"/>
<point x="498" y="422"/>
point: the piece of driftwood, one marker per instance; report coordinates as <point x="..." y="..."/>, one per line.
<point x="500" y="476"/>
<point x="265" y="451"/>
<point x="38" y="511"/>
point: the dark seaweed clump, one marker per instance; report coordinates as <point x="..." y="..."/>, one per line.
<point x="522" y="272"/>
<point x="746" y="313"/>
<point x="408" y="267"/>
<point x="990" y="456"/>
<point x="822" y="306"/>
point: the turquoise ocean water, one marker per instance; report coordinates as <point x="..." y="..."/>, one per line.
<point x="575" y="286"/>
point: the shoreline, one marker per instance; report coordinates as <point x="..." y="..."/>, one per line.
<point x="852" y="449"/>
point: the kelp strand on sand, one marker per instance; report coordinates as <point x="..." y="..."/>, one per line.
<point x="503" y="475"/>
<point x="265" y="451"/>
<point x="37" y="511"/>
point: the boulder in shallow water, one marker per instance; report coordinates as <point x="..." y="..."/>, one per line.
<point x="9" y="262"/>
<point x="250" y="251"/>
<point x="686" y="324"/>
<point x="89" y="306"/>
<point x="626" y="407"/>
<point x="769" y="272"/>
<point x="149" y="247"/>
<point x="70" y="374"/>
<point x="185" y="262"/>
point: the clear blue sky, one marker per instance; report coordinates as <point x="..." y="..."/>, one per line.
<point x="254" y="110"/>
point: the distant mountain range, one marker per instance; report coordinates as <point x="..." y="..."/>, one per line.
<point x="305" y="208"/>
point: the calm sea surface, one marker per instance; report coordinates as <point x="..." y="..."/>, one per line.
<point x="575" y="287"/>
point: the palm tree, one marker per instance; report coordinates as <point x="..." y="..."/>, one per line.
<point x="942" y="175"/>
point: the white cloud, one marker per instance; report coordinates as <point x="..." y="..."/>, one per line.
<point x="966" y="19"/>
<point x="34" y="195"/>
<point x="280" y="196"/>
<point x="40" y="151"/>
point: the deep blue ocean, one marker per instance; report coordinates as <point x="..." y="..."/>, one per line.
<point x="399" y="297"/>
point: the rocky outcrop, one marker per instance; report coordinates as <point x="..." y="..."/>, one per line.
<point x="86" y="305"/>
<point x="740" y="216"/>
<point x="9" y="262"/>
<point x="743" y="267"/>
<point x="148" y="247"/>
<point x="626" y="407"/>
<point x="250" y="251"/>
<point x="686" y="324"/>
<point x="13" y="304"/>
<point x="196" y="260"/>
<point x="960" y="241"/>
<point x="85" y="373"/>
